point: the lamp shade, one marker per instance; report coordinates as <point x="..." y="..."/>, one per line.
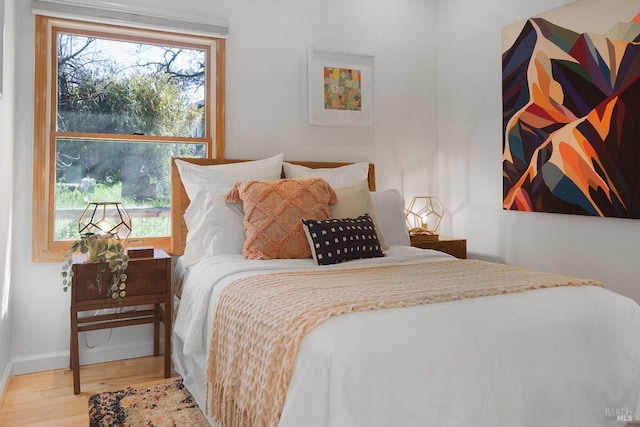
<point x="106" y="219"/>
<point x="424" y="214"/>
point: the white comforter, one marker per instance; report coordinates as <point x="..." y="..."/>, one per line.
<point x="567" y="356"/>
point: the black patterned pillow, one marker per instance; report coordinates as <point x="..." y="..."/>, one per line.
<point x="337" y="240"/>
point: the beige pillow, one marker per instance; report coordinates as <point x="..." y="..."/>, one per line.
<point x="355" y="201"/>
<point x="273" y="213"/>
<point x="342" y="176"/>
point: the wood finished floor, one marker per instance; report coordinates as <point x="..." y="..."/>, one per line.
<point x="47" y="399"/>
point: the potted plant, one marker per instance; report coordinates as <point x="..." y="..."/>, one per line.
<point x="101" y="227"/>
<point x="106" y="251"/>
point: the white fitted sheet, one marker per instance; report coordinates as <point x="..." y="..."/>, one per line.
<point x="551" y="357"/>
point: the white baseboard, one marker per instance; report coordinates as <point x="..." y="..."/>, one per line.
<point x="60" y="360"/>
<point x="5" y="378"/>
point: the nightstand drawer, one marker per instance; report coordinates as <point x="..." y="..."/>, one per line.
<point x="144" y="277"/>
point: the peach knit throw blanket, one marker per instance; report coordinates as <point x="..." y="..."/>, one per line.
<point x="261" y="321"/>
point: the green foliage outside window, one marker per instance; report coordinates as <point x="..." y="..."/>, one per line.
<point x="124" y="89"/>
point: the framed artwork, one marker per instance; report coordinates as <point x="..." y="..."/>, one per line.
<point x="340" y="88"/>
<point x="571" y="102"/>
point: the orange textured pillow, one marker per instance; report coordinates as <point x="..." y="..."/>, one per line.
<point x="273" y="212"/>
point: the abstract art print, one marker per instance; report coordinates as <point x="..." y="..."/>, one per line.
<point x="571" y="111"/>
<point x="340" y="88"/>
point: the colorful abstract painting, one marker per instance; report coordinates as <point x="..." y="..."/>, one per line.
<point x="342" y="89"/>
<point x="571" y="120"/>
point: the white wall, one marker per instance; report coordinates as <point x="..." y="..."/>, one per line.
<point x="266" y="114"/>
<point x="6" y="178"/>
<point x="470" y="159"/>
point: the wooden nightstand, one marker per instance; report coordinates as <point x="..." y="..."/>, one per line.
<point x="449" y="245"/>
<point x="148" y="282"/>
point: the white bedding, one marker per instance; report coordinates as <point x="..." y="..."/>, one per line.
<point x="567" y="356"/>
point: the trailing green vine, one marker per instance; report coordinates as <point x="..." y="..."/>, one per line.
<point x="106" y="251"/>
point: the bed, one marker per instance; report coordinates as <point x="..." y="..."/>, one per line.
<point x="534" y="355"/>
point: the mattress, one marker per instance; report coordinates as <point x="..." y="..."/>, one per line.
<point x="561" y="356"/>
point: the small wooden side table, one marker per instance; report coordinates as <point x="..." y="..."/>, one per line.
<point x="148" y="283"/>
<point x="450" y="245"/>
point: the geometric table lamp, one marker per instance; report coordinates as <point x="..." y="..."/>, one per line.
<point x="424" y="215"/>
<point x="106" y="219"/>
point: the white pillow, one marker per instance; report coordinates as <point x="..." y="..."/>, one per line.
<point x="342" y="176"/>
<point x="214" y="226"/>
<point x="197" y="177"/>
<point x="354" y="201"/>
<point x="389" y="206"/>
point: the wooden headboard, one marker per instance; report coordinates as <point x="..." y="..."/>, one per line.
<point x="180" y="201"/>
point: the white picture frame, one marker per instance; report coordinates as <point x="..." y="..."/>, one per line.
<point x="337" y="104"/>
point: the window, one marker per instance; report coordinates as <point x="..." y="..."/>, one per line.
<point x="112" y="106"/>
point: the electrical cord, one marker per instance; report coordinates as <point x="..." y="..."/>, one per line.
<point x="97" y="313"/>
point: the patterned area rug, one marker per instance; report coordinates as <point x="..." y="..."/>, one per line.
<point x="168" y="404"/>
